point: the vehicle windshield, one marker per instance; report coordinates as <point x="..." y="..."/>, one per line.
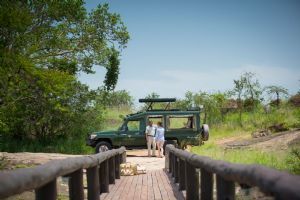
<point x="131" y="125"/>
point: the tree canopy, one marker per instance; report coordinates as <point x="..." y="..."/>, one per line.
<point x="43" y="45"/>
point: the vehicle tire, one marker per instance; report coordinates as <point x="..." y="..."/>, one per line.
<point x="103" y="146"/>
<point x="205" y="132"/>
<point x="170" y="142"/>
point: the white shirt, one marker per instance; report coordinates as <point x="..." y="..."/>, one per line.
<point x="150" y="130"/>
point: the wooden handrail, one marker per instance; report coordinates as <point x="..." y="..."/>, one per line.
<point x="182" y="165"/>
<point x="42" y="178"/>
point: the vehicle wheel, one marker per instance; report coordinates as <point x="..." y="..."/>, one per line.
<point x="205" y="132"/>
<point x="103" y="146"/>
<point x="169" y="142"/>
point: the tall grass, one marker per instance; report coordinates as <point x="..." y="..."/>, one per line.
<point x="245" y="156"/>
<point x="253" y="121"/>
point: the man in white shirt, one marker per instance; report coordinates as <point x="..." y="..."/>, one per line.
<point x="150" y="137"/>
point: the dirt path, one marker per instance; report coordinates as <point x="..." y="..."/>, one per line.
<point x="29" y="159"/>
<point x="276" y="141"/>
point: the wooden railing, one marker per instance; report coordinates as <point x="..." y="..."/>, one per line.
<point x="195" y="174"/>
<point x="101" y="170"/>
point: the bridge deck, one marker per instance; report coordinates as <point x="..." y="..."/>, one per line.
<point x="152" y="185"/>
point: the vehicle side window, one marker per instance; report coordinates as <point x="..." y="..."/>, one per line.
<point x="155" y="119"/>
<point x="181" y="122"/>
<point x="133" y="125"/>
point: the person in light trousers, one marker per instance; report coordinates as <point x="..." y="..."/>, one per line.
<point x="150" y="137"/>
<point x="160" y="139"/>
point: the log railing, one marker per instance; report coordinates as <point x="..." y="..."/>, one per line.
<point x="101" y="170"/>
<point x="195" y="174"/>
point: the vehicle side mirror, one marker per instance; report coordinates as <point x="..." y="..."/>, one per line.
<point x="123" y="128"/>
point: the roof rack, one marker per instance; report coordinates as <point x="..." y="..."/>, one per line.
<point x="157" y="100"/>
<point x="151" y="100"/>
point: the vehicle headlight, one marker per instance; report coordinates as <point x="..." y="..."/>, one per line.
<point x="92" y="136"/>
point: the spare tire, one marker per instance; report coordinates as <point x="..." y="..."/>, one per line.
<point x="205" y="132"/>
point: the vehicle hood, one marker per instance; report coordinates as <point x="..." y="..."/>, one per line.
<point x="99" y="133"/>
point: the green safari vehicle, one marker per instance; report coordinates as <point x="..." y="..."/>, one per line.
<point x="182" y="128"/>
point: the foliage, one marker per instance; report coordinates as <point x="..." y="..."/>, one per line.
<point x="293" y="160"/>
<point x="252" y="90"/>
<point x="119" y="99"/>
<point x="43" y="46"/>
<point x="276" y="90"/>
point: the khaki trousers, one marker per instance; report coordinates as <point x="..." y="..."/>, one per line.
<point x="151" y="141"/>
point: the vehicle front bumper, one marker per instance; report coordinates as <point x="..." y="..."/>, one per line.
<point x="90" y="142"/>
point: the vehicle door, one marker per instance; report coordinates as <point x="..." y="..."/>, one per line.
<point x="133" y="135"/>
<point x="181" y="127"/>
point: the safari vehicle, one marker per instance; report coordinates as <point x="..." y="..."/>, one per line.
<point x="182" y="127"/>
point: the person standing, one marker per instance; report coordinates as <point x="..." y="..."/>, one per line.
<point x="160" y="139"/>
<point x="150" y="138"/>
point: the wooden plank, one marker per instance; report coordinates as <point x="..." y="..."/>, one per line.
<point x="124" y="193"/>
<point x="132" y="188"/>
<point x="121" y="188"/>
<point x="144" y="192"/>
<point x="157" y="194"/>
<point x="166" y="184"/>
<point x="150" y="191"/>
<point x="161" y="185"/>
<point x="138" y="189"/>
<point x="177" y="194"/>
<point x="113" y="189"/>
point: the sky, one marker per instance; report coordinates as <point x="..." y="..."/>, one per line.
<point x="178" y="46"/>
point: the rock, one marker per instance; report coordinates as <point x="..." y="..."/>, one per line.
<point x="261" y="133"/>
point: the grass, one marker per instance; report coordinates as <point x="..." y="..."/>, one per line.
<point x="253" y="121"/>
<point x="244" y="156"/>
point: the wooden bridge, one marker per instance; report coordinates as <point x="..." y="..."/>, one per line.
<point x="186" y="176"/>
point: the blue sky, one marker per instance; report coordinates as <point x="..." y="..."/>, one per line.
<point x="191" y="45"/>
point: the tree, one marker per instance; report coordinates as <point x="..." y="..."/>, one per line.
<point x="277" y="91"/>
<point x="43" y="45"/>
<point x="252" y="90"/>
<point x="238" y="91"/>
<point x="120" y="99"/>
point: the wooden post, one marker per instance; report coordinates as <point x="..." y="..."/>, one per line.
<point x="225" y="189"/>
<point x="206" y="185"/>
<point x="76" y="185"/>
<point x="167" y="166"/>
<point x="112" y="171"/>
<point x="170" y="162"/>
<point x="173" y="164"/>
<point x="47" y="192"/>
<point x="181" y="174"/>
<point x="124" y="157"/>
<point x="104" y="178"/>
<point x="191" y="182"/>
<point x="93" y="183"/>
<point x="176" y="169"/>
<point x="117" y="166"/>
